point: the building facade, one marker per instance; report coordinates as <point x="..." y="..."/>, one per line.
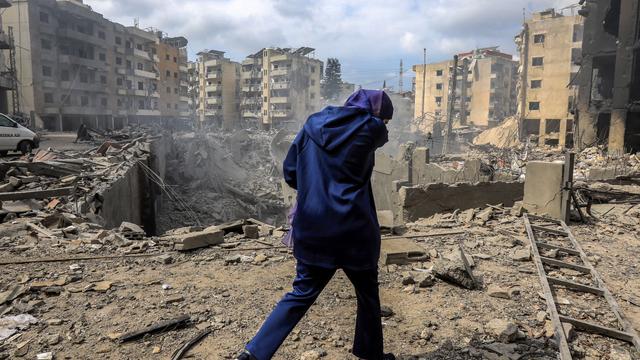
<point x="75" y="67"/>
<point x="6" y="77"/>
<point x="485" y="89"/>
<point x="218" y="93"/>
<point x="550" y="52"/>
<point x="280" y="87"/>
<point x="609" y="83"/>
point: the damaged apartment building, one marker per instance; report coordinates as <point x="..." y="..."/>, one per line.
<point x="550" y="50"/>
<point x="279" y="87"/>
<point x="216" y="89"/>
<point x="485" y="88"/>
<point x="609" y="97"/>
<point x="78" y="67"/>
<point x="6" y="80"/>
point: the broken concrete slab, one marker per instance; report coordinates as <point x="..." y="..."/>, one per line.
<point x="401" y="251"/>
<point x="543" y="185"/>
<point x="198" y="239"/>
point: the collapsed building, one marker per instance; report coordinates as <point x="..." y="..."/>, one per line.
<point x="608" y="110"/>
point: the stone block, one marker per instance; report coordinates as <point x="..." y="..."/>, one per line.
<point x="194" y="240"/>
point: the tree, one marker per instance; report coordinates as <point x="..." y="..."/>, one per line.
<point x="332" y="82"/>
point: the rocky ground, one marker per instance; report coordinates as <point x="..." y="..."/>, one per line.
<point x="82" y="307"/>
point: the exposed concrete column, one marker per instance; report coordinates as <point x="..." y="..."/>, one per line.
<point x="113" y="122"/>
<point x="60" y="122"/>
<point x="623" y="73"/>
<point x="585" y="120"/>
<point x="97" y="122"/>
<point x="617" y="130"/>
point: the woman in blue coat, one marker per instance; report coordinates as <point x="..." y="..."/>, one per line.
<point x="335" y="225"/>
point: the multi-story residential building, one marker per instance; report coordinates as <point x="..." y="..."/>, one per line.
<point x="174" y="100"/>
<point x="218" y="96"/>
<point x="6" y="79"/>
<point x="550" y="50"/>
<point x="608" y="110"/>
<point x="280" y="87"/>
<point x="486" y="92"/>
<point x="77" y="67"/>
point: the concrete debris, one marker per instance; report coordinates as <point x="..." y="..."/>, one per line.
<point x="503" y="330"/>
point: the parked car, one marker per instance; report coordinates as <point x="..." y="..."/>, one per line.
<point x="15" y="137"/>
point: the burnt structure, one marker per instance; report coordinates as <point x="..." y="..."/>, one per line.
<point x="608" y="109"/>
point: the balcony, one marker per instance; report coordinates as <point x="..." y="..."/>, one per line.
<point x="155" y="94"/>
<point x="214" y="62"/>
<point x="147" y="112"/>
<point x="82" y="61"/>
<point x="213" y="112"/>
<point x="76" y="35"/>
<point x="279" y="72"/>
<point x="184" y="99"/>
<point x="251" y="88"/>
<point x="251" y="114"/>
<point x="214" y="75"/>
<point x="213" y="88"/>
<point x="279" y="58"/>
<point x="5" y="42"/>
<point x="141" y="54"/>
<point x="49" y="84"/>
<point x="214" y="101"/>
<point x="279" y="100"/>
<point x="183" y="68"/>
<point x="281" y="113"/>
<point x="251" y="101"/>
<point x="79" y="86"/>
<point x="184" y="83"/>
<point x="119" y="49"/>
<point x="140" y="92"/>
<point x="280" y="85"/>
<point x="146" y="74"/>
<point x="185" y="113"/>
<point x="123" y="91"/>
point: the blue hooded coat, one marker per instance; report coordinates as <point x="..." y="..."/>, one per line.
<point x="330" y="164"/>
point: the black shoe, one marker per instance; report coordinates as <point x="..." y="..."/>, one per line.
<point x="247" y="356"/>
<point x="388" y="356"/>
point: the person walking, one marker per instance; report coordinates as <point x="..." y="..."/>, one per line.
<point x="335" y="225"/>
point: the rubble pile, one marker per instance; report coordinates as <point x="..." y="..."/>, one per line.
<point x="223" y="177"/>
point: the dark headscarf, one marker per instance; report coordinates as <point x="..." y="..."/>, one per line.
<point x="376" y="102"/>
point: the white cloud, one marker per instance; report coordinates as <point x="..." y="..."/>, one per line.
<point x="368" y="36"/>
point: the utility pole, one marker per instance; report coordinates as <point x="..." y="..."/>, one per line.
<point x="424" y="80"/>
<point x="400" y="80"/>
<point x="451" y="105"/>
<point x="463" y="92"/>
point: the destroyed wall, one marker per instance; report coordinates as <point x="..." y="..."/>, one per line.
<point x="423" y="201"/>
<point x="412" y="167"/>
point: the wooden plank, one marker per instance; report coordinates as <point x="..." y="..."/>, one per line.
<point x="559" y="248"/>
<point x="543" y="218"/>
<point x="615" y="308"/>
<point x="44" y="231"/>
<point x="562" y="264"/>
<point x="419" y="235"/>
<point x="546" y="229"/>
<point x="35" y="194"/>
<point x="598" y="329"/>
<point x="567" y="184"/>
<point x="575" y="286"/>
<point x="561" y="339"/>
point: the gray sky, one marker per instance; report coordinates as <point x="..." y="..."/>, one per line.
<point x="368" y="36"/>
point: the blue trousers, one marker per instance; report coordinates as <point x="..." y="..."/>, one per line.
<point x="308" y="284"/>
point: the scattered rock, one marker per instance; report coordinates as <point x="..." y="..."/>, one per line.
<point x="313" y="354"/>
<point x="503" y="330"/>
<point x="53" y="339"/>
<point x="498" y="292"/>
<point x="386" y="311"/>
<point x="251" y="231"/>
<point x="260" y="258"/>
<point x="174" y="299"/>
<point x="453" y="272"/>
<point x="407" y="279"/>
<point x="425" y="280"/>
<point x="521" y="254"/>
<point x="165" y="259"/>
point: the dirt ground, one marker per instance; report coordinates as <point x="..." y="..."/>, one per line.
<point x="442" y="321"/>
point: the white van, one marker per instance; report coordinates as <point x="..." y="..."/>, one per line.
<point x="15" y="137"/>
